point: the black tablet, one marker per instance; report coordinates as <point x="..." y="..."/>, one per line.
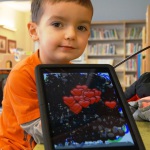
<point x="83" y="107"/>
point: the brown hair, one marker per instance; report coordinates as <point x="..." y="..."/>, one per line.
<point x="37" y="7"/>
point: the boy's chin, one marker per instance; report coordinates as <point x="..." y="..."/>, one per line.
<point x="68" y="59"/>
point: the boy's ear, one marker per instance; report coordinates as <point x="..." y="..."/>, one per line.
<point x="32" y="28"/>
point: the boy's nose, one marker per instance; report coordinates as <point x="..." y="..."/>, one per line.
<point x="70" y="34"/>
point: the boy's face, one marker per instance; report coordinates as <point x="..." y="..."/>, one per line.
<point x="62" y="32"/>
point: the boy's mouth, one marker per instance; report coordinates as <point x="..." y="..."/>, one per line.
<point x="67" y="47"/>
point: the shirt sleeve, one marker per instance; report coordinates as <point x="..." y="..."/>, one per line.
<point x="34" y="129"/>
<point x="131" y="91"/>
<point x="22" y="93"/>
<point x="139" y="88"/>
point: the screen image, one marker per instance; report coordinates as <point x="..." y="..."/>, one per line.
<point x="85" y="111"/>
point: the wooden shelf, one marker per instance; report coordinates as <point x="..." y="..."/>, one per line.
<point x="107" y="40"/>
<point x="116" y="40"/>
<point x="104" y="55"/>
<point x="146" y="42"/>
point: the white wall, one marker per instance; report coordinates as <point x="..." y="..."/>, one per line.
<point x="110" y="10"/>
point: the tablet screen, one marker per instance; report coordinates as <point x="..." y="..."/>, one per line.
<point x="85" y="110"/>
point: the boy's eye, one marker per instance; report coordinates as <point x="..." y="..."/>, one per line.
<point x="57" y="24"/>
<point x="82" y="28"/>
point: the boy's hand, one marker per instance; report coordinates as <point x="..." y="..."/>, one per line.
<point x="141" y="108"/>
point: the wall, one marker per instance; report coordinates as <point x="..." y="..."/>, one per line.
<point x="19" y="20"/>
<point x="110" y="10"/>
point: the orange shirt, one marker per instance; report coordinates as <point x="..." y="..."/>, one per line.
<point x="20" y="105"/>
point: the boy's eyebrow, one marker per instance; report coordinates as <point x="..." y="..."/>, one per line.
<point x="64" y="19"/>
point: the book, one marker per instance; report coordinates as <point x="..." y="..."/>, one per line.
<point x="139" y="64"/>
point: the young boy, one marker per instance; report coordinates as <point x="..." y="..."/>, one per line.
<point x="62" y="29"/>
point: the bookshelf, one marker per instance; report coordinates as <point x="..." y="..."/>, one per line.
<point x="111" y="42"/>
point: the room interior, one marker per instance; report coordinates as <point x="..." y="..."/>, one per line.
<point x="13" y="27"/>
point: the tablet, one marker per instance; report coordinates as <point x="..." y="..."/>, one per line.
<point x="83" y="107"/>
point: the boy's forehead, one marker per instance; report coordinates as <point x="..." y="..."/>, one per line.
<point x="63" y="9"/>
<point x="49" y="2"/>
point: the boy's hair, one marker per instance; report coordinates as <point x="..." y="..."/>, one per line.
<point x="37" y="7"/>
